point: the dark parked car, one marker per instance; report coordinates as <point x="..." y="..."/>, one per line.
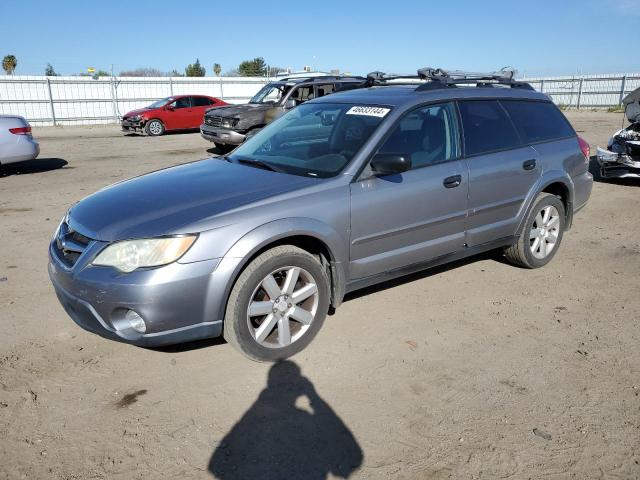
<point x="340" y="193"/>
<point x="228" y="127"/>
<point x="178" y="112"/>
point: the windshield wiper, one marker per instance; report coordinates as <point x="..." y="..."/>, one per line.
<point x="256" y="163"/>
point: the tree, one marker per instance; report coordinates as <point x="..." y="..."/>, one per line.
<point x="9" y="63"/>
<point x="195" y="70"/>
<point x="253" y="68"/>
<point x="143" y="72"/>
<point x="49" y="71"/>
<point x="217" y="69"/>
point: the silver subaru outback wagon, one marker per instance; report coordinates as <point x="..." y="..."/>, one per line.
<point x="340" y="193"/>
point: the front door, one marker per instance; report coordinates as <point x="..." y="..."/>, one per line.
<point x="179" y="114"/>
<point x="403" y="219"/>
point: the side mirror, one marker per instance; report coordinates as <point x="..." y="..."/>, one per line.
<point x="387" y="164"/>
<point x="291" y="103"/>
<point x="169" y="108"/>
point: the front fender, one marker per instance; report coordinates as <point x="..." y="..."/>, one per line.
<point x="238" y="256"/>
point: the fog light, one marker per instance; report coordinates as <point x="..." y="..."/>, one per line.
<point x="135" y="321"/>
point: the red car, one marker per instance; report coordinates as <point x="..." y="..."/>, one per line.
<point x="179" y="112"/>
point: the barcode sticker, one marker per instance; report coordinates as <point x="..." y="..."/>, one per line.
<point x="368" y="111"/>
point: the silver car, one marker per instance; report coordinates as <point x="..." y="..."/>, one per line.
<point x="16" y="142"/>
<point x="340" y="193"/>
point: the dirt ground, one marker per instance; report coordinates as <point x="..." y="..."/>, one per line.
<point x="475" y="370"/>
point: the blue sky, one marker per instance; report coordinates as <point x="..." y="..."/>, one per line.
<point x="540" y="37"/>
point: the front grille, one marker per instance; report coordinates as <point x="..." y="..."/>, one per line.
<point x="69" y="244"/>
<point x="213" y="120"/>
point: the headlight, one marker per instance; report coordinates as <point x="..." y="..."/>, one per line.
<point x="229" y="122"/>
<point x="129" y="255"/>
<point x="135" y="118"/>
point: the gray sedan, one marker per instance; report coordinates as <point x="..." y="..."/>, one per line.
<point x="16" y="142"/>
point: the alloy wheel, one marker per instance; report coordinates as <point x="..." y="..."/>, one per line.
<point x="282" y="307"/>
<point x="543" y="235"/>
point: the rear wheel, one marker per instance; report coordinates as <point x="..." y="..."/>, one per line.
<point x="541" y="235"/>
<point x="277" y="305"/>
<point x="154" y="128"/>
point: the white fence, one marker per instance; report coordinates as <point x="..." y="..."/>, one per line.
<point x="83" y="100"/>
<point x="587" y="91"/>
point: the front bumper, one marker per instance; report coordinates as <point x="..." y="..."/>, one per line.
<point x="174" y="300"/>
<point x="131" y="125"/>
<point x="617" y="165"/>
<point x="221" y="135"/>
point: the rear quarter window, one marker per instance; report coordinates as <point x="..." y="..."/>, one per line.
<point x="538" y="121"/>
<point x="487" y="128"/>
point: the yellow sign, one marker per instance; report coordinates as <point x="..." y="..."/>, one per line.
<point x="91" y="70"/>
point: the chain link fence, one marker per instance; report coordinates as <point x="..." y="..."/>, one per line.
<point x="83" y="100"/>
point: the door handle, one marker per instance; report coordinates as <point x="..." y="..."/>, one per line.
<point x="453" y="181"/>
<point x="529" y="164"/>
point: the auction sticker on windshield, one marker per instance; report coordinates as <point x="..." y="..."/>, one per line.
<point x="368" y="111"/>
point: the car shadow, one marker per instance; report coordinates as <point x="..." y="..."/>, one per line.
<point x="27" y="167"/>
<point x="288" y="432"/>
<point x="189" y="346"/>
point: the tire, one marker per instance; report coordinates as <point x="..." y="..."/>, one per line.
<point x="223" y="147"/>
<point x="154" y="128"/>
<point x="277" y="315"/>
<point x="538" y="234"/>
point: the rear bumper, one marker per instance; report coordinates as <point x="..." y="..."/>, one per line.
<point x="24" y="148"/>
<point x="221" y="135"/>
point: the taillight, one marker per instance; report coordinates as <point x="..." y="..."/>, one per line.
<point x="584" y="146"/>
<point x="21" y="131"/>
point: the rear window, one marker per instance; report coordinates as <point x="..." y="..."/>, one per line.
<point x="487" y="128"/>
<point x="538" y="121"/>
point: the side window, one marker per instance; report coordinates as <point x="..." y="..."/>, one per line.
<point x="302" y="94"/>
<point x="322" y="90"/>
<point x="428" y="135"/>
<point x="487" y="127"/>
<point x="537" y="121"/>
<point x="181" y="103"/>
<point x="201" y="101"/>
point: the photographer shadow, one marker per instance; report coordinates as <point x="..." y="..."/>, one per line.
<point x="275" y="439"/>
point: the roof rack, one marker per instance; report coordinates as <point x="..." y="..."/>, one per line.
<point x="317" y="77"/>
<point x="439" y="78"/>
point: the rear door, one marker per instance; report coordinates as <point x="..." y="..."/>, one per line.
<point x="408" y="218"/>
<point x="502" y="170"/>
<point x="199" y="106"/>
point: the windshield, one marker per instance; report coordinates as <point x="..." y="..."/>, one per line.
<point x="160" y="103"/>
<point x="314" y="139"/>
<point x="271" y="93"/>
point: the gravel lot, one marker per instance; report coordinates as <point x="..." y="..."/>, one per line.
<point x="475" y="370"/>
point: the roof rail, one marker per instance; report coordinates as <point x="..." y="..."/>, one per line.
<point x="440" y="78"/>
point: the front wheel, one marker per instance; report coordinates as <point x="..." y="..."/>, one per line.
<point x="542" y="233"/>
<point x="223" y="147"/>
<point x="277" y="305"/>
<point x="154" y="128"/>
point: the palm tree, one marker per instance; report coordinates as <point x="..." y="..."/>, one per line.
<point x="9" y="63"/>
<point x="217" y="69"/>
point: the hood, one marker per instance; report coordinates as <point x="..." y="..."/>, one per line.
<point x="169" y="201"/>
<point x="239" y="110"/>
<point x="139" y="111"/>
<point x="632" y="105"/>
